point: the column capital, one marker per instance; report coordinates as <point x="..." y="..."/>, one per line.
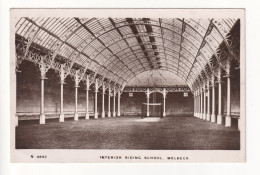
<point x="43" y="78"/>
<point x="228" y="66"/>
<point x="227" y="76"/>
<point x="97" y="85"/>
<point x="62" y="74"/>
<point x="44" y="69"/>
<point x="77" y="79"/>
<point x="164" y="92"/>
<point x="219" y="82"/>
<point x="87" y="83"/>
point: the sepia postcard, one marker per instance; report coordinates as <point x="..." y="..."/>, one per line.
<point x="127" y="85"/>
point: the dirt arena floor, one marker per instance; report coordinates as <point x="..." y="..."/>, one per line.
<point x="170" y="133"/>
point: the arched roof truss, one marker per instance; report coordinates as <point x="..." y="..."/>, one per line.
<point x="119" y="49"/>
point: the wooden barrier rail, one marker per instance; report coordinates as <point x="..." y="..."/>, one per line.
<point x="49" y="115"/>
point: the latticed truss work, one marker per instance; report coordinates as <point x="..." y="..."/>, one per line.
<point x="156" y="78"/>
<point x="116" y="50"/>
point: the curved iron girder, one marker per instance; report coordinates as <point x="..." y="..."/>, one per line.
<point x="218" y="61"/>
<point x="164" y="57"/>
<point x="223" y="37"/>
<point x="113" y="23"/>
<point x="85" y="27"/>
<point x="139" y="58"/>
<point x="146" y="44"/>
<point x="194" y="30"/>
<point x="228" y="46"/>
<point x="139" y="71"/>
<point x="112" y="29"/>
<point x="53" y="35"/>
<point x="214" y="53"/>
<point x="162" y="33"/>
<point x="203" y="40"/>
<point x="151" y="69"/>
<point x="200" y="34"/>
<point x="56" y="50"/>
<point x="149" y="35"/>
<point x="34" y="36"/>
<point x="182" y="31"/>
<point x="222" y="52"/>
<point x="200" y="81"/>
<point x="139" y="44"/>
<point x="149" y="49"/>
<point x="67" y="38"/>
<point x="157" y="42"/>
<point x="127" y="74"/>
<point x="143" y="43"/>
<point x="171" y="65"/>
<point x="144" y="23"/>
<point x="118" y="52"/>
<point x="37" y="59"/>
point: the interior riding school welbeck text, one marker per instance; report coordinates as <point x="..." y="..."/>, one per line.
<point x="145" y="157"/>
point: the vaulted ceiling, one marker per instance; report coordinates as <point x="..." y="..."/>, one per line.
<point x="156" y="78"/>
<point x="119" y="49"/>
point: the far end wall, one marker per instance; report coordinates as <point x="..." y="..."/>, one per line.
<point x="176" y="103"/>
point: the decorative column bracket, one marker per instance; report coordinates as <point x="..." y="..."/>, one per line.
<point x="195" y="102"/>
<point x="217" y="23"/>
<point x="73" y="57"/>
<point x="77" y="80"/>
<point x="119" y="92"/>
<point x="30" y="38"/>
<point x="87" y="84"/>
<point x="213" y="115"/>
<point x="114" y="102"/>
<point x="208" y="93"/>
<point x="164" y="101"/>
<point x="98" y="84"/>
<point x="63" y="76"/>
<point x="201" y="102"/>
<point x="44" y="69"/>
<point x="200" y="93"/>
<point x="19" y="61"/>
<point x="198" y="103"/>
<point x="109" y="95"/>
<point x="219" y="117"/>
<point x="148" y="96"/>
<point x="228" y="117"/>
<point x="204" y="103"/>
<point x="25" y="53"/>
<point x="104" y="87"/>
